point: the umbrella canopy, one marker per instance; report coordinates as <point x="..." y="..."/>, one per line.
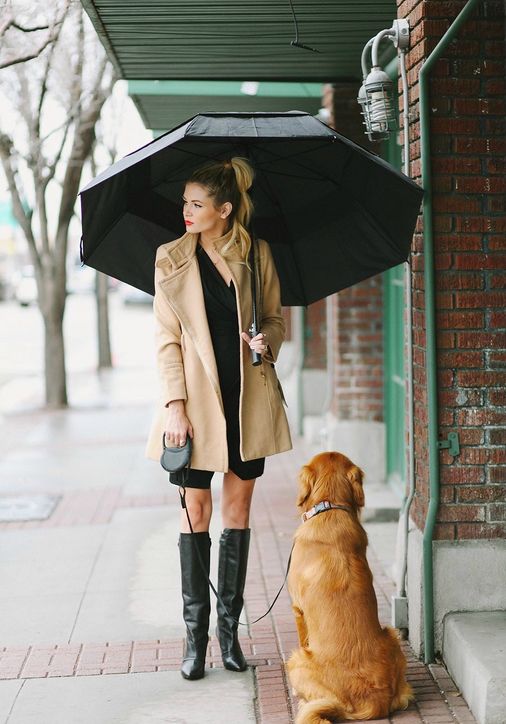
<point x="333" y="213"/>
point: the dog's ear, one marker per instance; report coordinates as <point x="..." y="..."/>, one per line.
<point x="306" y="481"/>
<point x="356" y="476"/>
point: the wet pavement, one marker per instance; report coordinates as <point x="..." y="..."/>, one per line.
<point x="90" y="626"/>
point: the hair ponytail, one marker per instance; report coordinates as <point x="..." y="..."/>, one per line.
<point x="230" y="181"/>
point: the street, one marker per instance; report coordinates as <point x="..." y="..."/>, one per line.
<point x="21" y="351"/>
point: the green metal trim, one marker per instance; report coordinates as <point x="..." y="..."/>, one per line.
<point x="231" y="88"/>
<point x="94" y="16"/>
<point x="430" y="322"/>
<point x="394" y="377"/>
<point x="233" y="40"/>
<point x="392" y="69"/>
<point x="171" y="111"/>
<point x="394" y="343"/>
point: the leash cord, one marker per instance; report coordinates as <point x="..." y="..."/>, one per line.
<point x="213" y="589"/>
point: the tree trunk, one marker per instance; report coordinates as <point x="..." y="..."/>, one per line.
<point x="51" y="285"/>
<point x="104" y="339"/>
<point x="56" y="386"/>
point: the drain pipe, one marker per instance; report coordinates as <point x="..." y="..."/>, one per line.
<point x="299" y="338"/>
<point x="430" y="325"/>
<point x="400" y="602"/>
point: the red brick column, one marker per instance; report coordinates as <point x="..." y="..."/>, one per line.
<point x="358" y="391"/>
<point x="468" y="145"/>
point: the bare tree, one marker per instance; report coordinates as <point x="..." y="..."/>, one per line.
<point x="106" y="146"/>
<point x="21" y="40"/>
<point x="103" y="329"/>
<point x="57" y="100"/>
<point x="102" y="300"/>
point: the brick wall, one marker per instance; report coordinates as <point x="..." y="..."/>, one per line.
<point x="358" y="392"/>
<point x="358" y="338"/>
<point x="468" y="140"/>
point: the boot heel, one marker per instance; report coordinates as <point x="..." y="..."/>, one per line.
<point x="193" y="665"/>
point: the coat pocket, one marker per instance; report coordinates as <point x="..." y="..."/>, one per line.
<point x="273" y="381"/>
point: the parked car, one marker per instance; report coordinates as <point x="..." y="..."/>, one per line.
<point x="131" y="295"/>
<point x="81" y="280"/>
<point x="25" y="292"/>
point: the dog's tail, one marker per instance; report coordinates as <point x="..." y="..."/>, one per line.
<point x="326" y="709"/>
<point x="320" y="711"/>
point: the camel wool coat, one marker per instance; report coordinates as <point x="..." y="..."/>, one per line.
<point x="187" y="365"/>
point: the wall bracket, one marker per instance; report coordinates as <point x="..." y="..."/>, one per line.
<point x="451" y="444"/>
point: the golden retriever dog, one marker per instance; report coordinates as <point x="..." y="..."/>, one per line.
<point x="347" y="666"/>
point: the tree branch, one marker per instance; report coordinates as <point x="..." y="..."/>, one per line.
<point x="53" y="29"/>
<point x="51" y="167"/>
<point x="55" y="34"/>
<point x="84" y="138"/>
<point x="29" y="30"/>
<point x="23" y="217"/>
<point x="6" y="25"/>
<point x="24" y="58"/>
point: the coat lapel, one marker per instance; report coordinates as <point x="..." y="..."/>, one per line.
<point x="183" y="291"/>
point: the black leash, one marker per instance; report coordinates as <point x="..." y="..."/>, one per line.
<point x="182" y="496"/>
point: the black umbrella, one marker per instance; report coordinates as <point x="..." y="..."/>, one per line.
<point x="333" y="213"/>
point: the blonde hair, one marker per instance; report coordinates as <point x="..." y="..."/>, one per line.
<point x="230" y="181"/>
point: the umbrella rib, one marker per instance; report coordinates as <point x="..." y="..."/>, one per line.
<point x="260" y="164"/>
<point x="292" y="158"/>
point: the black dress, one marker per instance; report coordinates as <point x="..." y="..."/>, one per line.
<point x="221" y="310"/>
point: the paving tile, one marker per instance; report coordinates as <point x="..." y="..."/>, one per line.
<point x="132" y="699"/>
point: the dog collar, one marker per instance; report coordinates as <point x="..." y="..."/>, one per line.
<point x="321" y="508"/>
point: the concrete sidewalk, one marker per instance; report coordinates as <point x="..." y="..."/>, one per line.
<point x="90" y="626"/>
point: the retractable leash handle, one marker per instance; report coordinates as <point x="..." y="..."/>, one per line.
<point x="213" y="589"/>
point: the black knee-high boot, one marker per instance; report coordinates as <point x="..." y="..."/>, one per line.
<point x="233" y="563"/>
<point x="196" y="602"/>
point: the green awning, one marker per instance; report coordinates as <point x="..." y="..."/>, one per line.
<point x="166" y="104"/>
<point x="238" y="39"/>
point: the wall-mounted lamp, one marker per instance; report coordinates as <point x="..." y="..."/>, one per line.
<point x="376" y="95"/>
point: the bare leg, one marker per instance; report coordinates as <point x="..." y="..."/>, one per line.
<point x="236" y="501"/>
<point x="200" y="506"/>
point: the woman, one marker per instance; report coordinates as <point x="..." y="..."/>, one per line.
<point x="232" y="410"/>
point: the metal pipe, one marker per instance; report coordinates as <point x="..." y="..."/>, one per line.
<point x="388" y="33"/>
<point x="430" y="326"/>
<point x="401" y="588"/>
<point x="405" y="109"/>
<point x="363" y="59"/>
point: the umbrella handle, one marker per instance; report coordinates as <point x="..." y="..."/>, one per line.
<point x="256" y="357"/>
